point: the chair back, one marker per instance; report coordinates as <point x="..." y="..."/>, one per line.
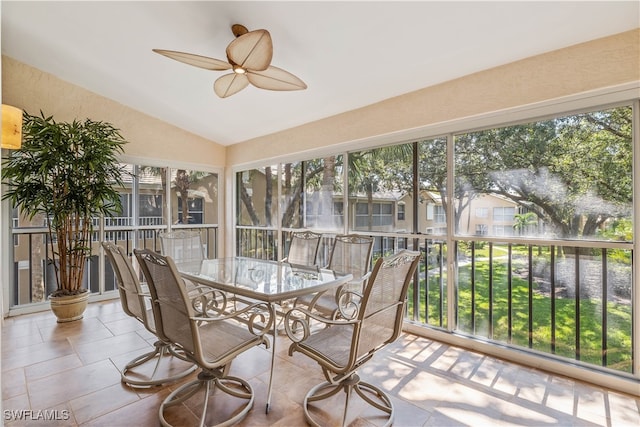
<point x="303" y="248"/>
<point x="170" y="301"/>
<point x="131" y="293"/>
<point x="183" y="246"/>
<point x="383" y="302"/>
<point x="351" y="254"/>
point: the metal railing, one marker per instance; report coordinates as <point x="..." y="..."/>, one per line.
<point x="572" y="301"/>
<point x="257" y="242"/>
<point x="569" y="301"/>
<point x="32" y="278"/>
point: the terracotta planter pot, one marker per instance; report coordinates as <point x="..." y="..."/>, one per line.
<point x="71" y="307"/>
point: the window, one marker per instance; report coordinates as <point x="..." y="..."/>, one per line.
<point x="432" y="181"/>
<point x="574" y="171"/>
<point x="320" y="219"/>
<point x="377" y="179"/>
<point x="196" y="212"/>
<point x="481" y="229"/>
<point x="315" y="193"/>
<point x="198" y="192"/>
<point x="256" y="192"/>
<point x="502" y="230"/>
<point x="145" y="195"/>
<point x="150" y="208"/>
<point x="504" y="214"/>
<point x="125" y="218"/>
<point x="567" y="177"/>
<point x="381" y="215"/>
<point x="151" y="182"/>
<point x="440" y="216"/>
<point x="430" y="209"/>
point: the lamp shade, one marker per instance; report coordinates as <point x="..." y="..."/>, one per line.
<point x="11" y="127"/>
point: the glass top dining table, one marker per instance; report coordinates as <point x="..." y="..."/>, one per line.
<point x="263" y="280"/>
<point x="269" y="281"/>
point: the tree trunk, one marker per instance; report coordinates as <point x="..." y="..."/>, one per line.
<point x="248" y="203"/>
<point x="369" y="207"/>
<point x="182" y="188"/>
<point x="326" y="191"/>
<point x="268" y="194"/>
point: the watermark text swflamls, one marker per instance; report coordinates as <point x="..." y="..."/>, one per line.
<point x="36" y="415"/>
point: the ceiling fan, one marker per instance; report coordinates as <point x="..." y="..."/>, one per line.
<point x="249" y="57"/>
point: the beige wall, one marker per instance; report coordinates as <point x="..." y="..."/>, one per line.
<point x="32" y="90"/>
<point x="588" y="66"/>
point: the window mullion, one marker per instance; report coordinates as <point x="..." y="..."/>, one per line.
<point x="452" y="316"/>
<point x="635" y="274"/>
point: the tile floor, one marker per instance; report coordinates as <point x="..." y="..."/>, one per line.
<point x="71" y="372"/>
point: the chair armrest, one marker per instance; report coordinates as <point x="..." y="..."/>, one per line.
<point x="207" y="301"/>
<point x="201" y="290"/>
<point x="259" y="317"/>
<point x="359" y="282"/>
<point x="300" y="318"/>
<point x="194" y="287"/>
<point x="348" y="303"/>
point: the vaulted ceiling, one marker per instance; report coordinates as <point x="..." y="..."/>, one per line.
<point x="350" y="54"/>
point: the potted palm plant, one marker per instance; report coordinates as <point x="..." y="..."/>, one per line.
<point x="68" y="174"/>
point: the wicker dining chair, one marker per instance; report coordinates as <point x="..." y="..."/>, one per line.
<point x="349" y="342"/>
<point x="162" y="365"/>
<point x="351" y="253"/>
<point x="211" y="341"/>
<point x="303" y="248"/>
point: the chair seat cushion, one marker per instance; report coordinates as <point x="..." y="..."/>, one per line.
<point x="223" y="340"/>
<point x="331" y="344"/>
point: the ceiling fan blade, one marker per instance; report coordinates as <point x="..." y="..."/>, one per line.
<point x="251" y="51"/>
<point x="229" y="84"/>
<point x="196" y="60"/>
<point x="274" y="78"/>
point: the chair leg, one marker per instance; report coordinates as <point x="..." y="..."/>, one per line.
<point x="162" y="353"/>
<point x="317" y="394"/>
<point x="368" y="392"/>
<point x="384" y="402"/>
<point x="347" y="393"/>
<point x="210" y="381"/>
